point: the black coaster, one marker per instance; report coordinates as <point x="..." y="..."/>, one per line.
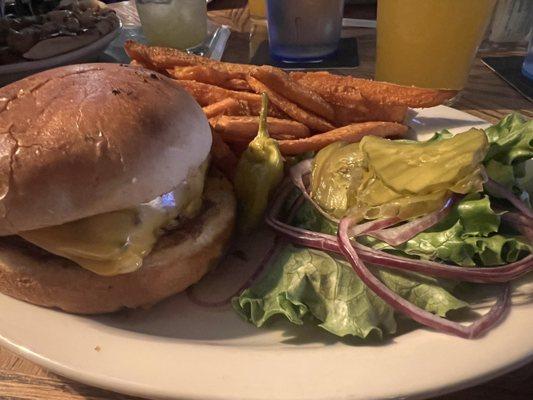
<point x="346" y="57"/>
<point x="510" y="70"/>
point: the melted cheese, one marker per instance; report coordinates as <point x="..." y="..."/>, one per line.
<point x="117" y="242"/>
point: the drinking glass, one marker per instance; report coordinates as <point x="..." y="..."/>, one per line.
<point x="511" y="23"/>
<point x="181" y="24"/>
<point x="257" y="10"/>
<point x="429" y="43"/>
<point x="304" y="30"/>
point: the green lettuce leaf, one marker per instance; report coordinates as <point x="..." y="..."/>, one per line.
<point x="476" y="216"/>
<point x="428" y="293"/>
<point x="511" y="146"/>
<point x="309" y="218"/>
<point x="309" y="284"/>
<point x="504" y="174"/>
<point x="469" y="237"/>
<point x="511" y="140"/>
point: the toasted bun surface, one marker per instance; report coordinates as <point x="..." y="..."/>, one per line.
<point x="87" y="139"/>
<point x="180" y="259"/>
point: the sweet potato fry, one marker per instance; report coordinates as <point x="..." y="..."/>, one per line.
<point x="346" y="97"/>
<point x="381" y="93"/>
<point x="280" y="82"/>
<point x="164" y="58"/>
<point x="350" y="133"/>
<point x="226" y="106"/>
<point x="349" y="105"/>
<point x="213" y="76"/>
<point x="203" y="73"/>
<point x="206" y="94"/>
<point x="239" y="129"/>
<point x="238" y="84"/>
<point x="312" y="121"/>
<point x="222" y="156"/>
<point x="160" y="57"/>
<point x="375" y="112"/>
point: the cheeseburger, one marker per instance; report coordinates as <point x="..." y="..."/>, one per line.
<point x="105" y="197"/>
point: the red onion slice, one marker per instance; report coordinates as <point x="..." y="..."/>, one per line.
<point x="401" y="234"/>
<point x="326" y="242"/>
<point x="298" y="235"/>
<point x="476" y="329"/>
<point x="501" y="274"/>
<point x="297" y="174"/>
<point x="501" y="191"/>
<point x="521" y="223"/>
<point x="376" y="226"/>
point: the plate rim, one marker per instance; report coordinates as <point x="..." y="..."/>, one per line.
<point x="140" y="389"/>
<point x="26" y="66"/>
<point x="121" y="386"/>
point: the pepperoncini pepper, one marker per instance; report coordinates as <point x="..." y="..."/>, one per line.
<point x="259" y="172"/>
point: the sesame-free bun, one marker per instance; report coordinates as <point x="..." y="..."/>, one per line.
<point x="86" y="139"/>
<point x="180" y="258"/>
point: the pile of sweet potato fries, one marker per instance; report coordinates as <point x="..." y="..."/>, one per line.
<point x="309" y="109"/>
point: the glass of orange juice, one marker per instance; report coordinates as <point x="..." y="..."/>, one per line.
<point x="257" y="10"/>
<point x="429" y="43"/>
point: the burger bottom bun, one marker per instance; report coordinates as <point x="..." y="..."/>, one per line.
<point x="181" y="258"/>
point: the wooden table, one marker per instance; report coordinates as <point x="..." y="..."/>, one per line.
<point x="486" y="96"/>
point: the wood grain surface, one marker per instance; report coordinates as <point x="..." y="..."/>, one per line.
<point x="486" y="96"/>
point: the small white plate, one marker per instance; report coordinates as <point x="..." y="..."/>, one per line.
<point x="177" y="350"/>
<point x="13" y="72"/>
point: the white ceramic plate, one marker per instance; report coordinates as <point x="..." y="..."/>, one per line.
<point x="180" y="351"/>
<point x="12" y="72"/>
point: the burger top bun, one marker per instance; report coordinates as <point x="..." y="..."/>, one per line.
<point x="86" y="139"/>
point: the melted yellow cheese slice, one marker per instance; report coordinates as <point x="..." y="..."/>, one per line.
<point x="117" y="242"/>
